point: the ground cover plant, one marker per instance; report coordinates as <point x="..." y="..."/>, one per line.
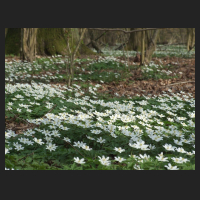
<point x="137" y="131"/>
<point x="53" y="70"/>
<point x="103" y="70"/>
<point x="161" y="51"/>
<point x="154" y="71"/>
<point x="52" y="127"/>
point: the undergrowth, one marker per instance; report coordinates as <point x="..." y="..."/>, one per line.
<point x="77" y="128"/>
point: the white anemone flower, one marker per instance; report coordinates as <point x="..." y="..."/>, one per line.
<point x="120" y="150"/>
<point x="79" y="161"/>
<point x="119" y="159"/>
<point x="170" y="167"/>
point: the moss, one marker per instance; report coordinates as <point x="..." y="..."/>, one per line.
<point x="50" y="41"/>
<point x="84" y="50"/>
<point x="12" y="41"/>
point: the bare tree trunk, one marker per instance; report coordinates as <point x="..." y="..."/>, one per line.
<point x="148" y="37"/>
<point x="29" y="43"/>
<point x="72" y="54"/>
<point x="134" y="42"/>
<point x="151" y="47"/>
<point x="142" y="48"/>
<point x="97" y="38"/>
<point x="193" y="37"/>
<point x="21" y="46"/>
<point x="93" y="42"/>
<point x="6" y="31"/>
<point x="190" y="38"/>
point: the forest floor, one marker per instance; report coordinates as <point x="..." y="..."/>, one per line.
<point x="136" y="85"/>
<point x="99" y="81"/>
<point x="185" y="82"/>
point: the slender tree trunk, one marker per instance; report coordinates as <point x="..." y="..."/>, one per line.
<point x="148" y="37"/>
<point x="93" y="42"/>
<point x="142" y="48"/>
<point x="151" y="47"/>
<point x="190" y="38"/>
<point x="6" y="31"/>
<point x="71" y="57"/>
<point x="134" y="42"/>
<point x="29" y="43"/>
<point x="193" y="37"/>
<point x="21" y="46"/>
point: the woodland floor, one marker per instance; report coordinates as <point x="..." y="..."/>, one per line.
<point x="132" y="86"/>
<point x="132" y="81"/>
<point x="185" y="83"/>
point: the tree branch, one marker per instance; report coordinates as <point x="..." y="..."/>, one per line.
<point x="139" y="30"/>
<point x="97" y="38"/>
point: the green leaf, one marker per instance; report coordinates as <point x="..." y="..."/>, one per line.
<point x="28" y="160"/>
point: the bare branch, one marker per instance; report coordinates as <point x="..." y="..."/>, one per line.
<point x="97" y="38"/>
<point x="139" y="30"/>
<point x="178" y="83"/>
<point x="79" y="42"/>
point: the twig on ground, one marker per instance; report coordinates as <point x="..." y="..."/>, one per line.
<point x="50" y="110"/>
<point x="18" y="117"/>
<point x="72" y="146"/>
<point x="26" y="156"/>
<point x="179" y="83"/>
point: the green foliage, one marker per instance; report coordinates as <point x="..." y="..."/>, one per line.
<point x="77" y="111"/>
<point x="105" y="71"/>
<point x="62" y="158"/>
<point x="156" y="72"/>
